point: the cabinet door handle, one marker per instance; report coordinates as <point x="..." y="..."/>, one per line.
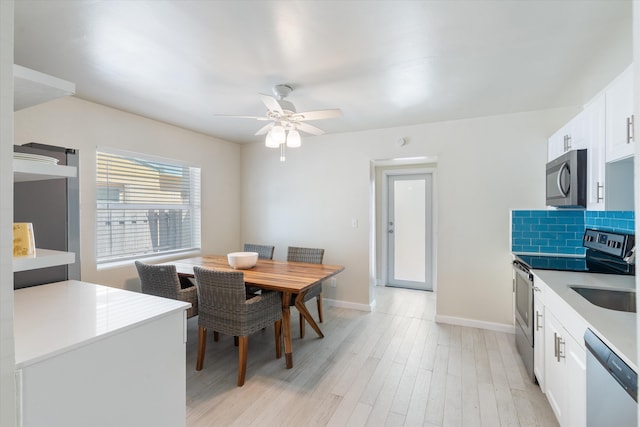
<point x="555" y="345"/>
<point x="560" y="353"/>
<point x="568" y="143"/>
<point x="599" y="191"/>
<point x="630" y="129"/>
<point x="538" y="317"/>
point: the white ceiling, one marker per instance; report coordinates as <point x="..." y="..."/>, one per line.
<point x="384" y="63"/>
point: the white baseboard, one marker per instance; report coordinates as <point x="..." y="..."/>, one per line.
<point x="472" y="323"/>
<point x="351" y="305"/>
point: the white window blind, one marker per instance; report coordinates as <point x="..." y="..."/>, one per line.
<point x="145" y="206"/>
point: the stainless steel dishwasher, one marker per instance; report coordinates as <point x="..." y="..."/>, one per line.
<point x="612" y="386"/>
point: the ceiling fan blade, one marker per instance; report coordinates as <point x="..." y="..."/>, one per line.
<point x="264" y="129"/>
<point x="306" y="127"/>
<point x="271" y="103"/>
<point x="231" y="116"/>
<point x="317" y="115"/>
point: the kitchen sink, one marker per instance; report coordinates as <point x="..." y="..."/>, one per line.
<point x="612" y="299"/>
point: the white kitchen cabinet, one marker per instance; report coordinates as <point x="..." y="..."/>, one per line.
<point x="538" y="338"/>
<point x="564" y="364"/>
<point x="568" y="315"/>
<point x="620" y="117"/>
<point x="91" y="355"/>
<point x="576" y="382"/>
<point x="572" y="136"/>
<point x="556" y="144"/>
<point x="595" y="136"/>
<point x="555" y="371"/>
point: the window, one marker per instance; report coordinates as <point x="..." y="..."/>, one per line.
<point x="145" y="206"/>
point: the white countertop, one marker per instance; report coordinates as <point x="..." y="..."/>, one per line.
<point x="616" y="328"/>
<point x="58" y="317"/>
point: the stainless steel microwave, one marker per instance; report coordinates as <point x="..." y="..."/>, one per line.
<point x="567" y="180"/>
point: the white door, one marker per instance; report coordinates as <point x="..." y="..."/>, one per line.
<point x="409" y="231"/>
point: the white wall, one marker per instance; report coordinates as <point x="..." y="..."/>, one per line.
<point x="75" y="123"/>
<point x="486" y="166"/>
<point x="7" y="354"/>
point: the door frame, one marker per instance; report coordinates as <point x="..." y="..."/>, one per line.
<point x="431" y="226"/>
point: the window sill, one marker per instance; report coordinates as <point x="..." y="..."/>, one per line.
<point x="151" y="259"/>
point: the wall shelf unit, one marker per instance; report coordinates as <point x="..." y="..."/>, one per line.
<point x="42" y="259"/>
<point x="32" y="87"/>
<point x="25" y="170"/>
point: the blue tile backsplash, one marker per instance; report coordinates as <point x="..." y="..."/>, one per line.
<point x="619" y="221"/>
<point x="560" y="231"/>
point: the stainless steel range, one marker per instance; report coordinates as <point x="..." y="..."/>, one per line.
<point x="607" y="252"/>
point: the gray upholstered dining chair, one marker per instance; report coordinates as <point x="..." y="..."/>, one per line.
<point x="314" y="256"/>
<point x="264" y="252"/>
<point x="224" y="308"/>
<point x="163" y="281"/>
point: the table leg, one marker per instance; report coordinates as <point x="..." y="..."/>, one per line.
<point x="286" y="329"/>
<point x="302" y="308"/>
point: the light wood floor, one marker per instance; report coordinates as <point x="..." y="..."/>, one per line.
<point x="392" y="367"/>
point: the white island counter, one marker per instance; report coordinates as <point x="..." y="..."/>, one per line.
<point x="93" y="355"/>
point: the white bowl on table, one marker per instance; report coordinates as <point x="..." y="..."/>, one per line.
<point x="242" y="260"/>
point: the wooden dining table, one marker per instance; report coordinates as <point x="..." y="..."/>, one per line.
<point x="288" y="277"/>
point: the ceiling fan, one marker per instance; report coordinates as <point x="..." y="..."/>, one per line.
<point x="286" y="122"/>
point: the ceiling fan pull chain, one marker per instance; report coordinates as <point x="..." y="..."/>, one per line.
<point x="282" y="148"/>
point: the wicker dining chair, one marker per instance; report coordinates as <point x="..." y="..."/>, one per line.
<point x="264" y="252"/>
<point x="163" y="281"/>
<point x="225" y="309"/>
<point x="314" y="256"/>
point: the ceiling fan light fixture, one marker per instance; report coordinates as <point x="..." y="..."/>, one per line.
<point x="293" y="139"/>
<point x="270" y="142"/>
<point x="278" y="135"/>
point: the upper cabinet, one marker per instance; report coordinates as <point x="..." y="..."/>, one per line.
<point x="620" y="117"/>
<point x="33" y="87"/>
<point x="594" y="113"/>
<point x="586" y="130"/>
<point x="572" y="136"/>
<point x="605" y="127"/>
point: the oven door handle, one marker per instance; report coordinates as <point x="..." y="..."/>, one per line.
<point x="523" y="271"/>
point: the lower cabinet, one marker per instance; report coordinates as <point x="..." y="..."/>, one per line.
<point x="576" y="383"/>
<point x="554" y="366"/>
<point x="564" y="373"/>
<point x="538" y="340"/>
